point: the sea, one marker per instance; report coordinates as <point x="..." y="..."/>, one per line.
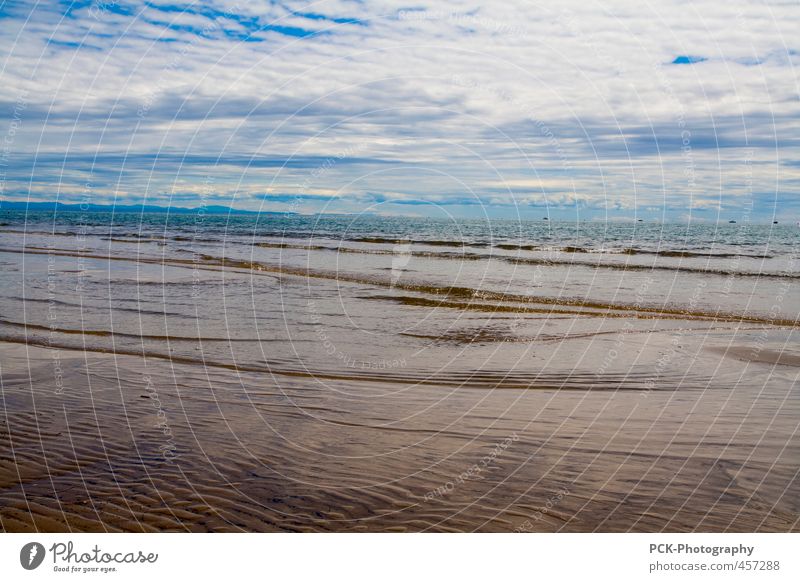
<point x="213" y="372"/>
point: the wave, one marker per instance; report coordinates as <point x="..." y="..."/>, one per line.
<point x="465" y="379"/>
<point x="572" y="263"/>
<point x="517" y="247"/>
<point x="511" y="246"/>
<point x="352" y="250"/>
<point x="115" y="308"/>
<point x="384" y="240"/>
<point x="486" y="335"/>
<point x="551" y="261"/>
<point x="113" y="334"/>
<point x="593" y="309"/>
<point x="683" y="254"/>
<point x="445" y="296"/>
<point x="404" y="241"/>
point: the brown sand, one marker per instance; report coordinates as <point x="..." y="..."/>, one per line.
<point x="242" y="453"/>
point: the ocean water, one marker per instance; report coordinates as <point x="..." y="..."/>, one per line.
<point x="346" y="373"/>
<point x="716" y="240"/>
<point x="371" y="290"/>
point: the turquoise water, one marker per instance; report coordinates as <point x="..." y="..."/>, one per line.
<point x="745" y="239"/>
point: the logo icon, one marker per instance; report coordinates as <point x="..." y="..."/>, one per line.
<point x="31" y="555"/>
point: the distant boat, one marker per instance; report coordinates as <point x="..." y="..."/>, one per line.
<point x="774" y="222"/>
<point x="545" y="218"/>
<point x="640" y="220"/>
<point x="731" y="222"/>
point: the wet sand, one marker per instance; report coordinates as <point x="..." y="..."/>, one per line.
<point x="174" y="447"/>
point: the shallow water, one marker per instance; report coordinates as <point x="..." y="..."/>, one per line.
<point x="396" y="374"/>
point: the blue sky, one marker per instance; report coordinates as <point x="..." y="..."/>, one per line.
<point x="597" y="110"/>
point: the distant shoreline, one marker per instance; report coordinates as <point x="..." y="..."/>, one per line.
<point x="137" y="208"/>
<point x="55" y="207"/>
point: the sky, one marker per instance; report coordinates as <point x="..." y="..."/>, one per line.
<point x="664" y="110"/>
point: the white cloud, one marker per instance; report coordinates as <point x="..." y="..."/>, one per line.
<point x="576" y="102"/>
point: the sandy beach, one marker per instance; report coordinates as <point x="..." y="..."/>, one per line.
<point x="168" y="383"/>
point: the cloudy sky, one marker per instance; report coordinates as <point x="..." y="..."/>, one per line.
<point x="609" y="109"/>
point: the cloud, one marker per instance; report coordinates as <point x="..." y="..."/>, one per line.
<point x="339" y="104"/>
